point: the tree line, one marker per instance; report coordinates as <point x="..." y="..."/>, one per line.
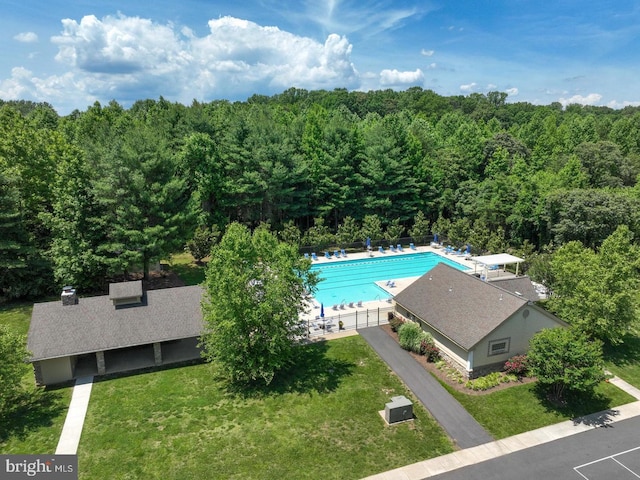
<point x="94" y="194"/>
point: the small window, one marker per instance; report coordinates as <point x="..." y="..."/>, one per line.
<point x="498" y="347"/>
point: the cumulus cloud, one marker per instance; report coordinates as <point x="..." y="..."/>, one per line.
<point x="131" y="58"/>
<point x="470" y="87"/>
<point x="26" y="37"/>
<point x="395" y="77"/>
<point x="240" y="51"/>
<point x="427" y="53"/>
<point x="432" y="66"/>
<point x="590" y="99"/>
<point x="120" y="45"/>
<point x="512" y="92"/>
<point x="55" y="89"/>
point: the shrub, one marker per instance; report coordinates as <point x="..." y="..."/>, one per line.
<point x="517" y="365"/>
<point x="428" y="349"/>
<point x="485" y="383"/>
<point x="395" y="322"/>
<point x="411" y="335"/>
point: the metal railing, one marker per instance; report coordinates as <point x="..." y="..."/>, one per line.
<point x="351" y="320"/>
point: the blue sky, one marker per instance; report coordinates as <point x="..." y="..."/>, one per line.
<point x="72" y="53"/>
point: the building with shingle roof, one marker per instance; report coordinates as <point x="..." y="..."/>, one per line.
<point x="124" y="330"/>
<point x="477" y="325"/>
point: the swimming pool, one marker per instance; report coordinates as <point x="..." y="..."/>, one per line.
<point x="354" y="280"/>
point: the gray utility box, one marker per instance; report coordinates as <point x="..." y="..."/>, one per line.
<point x="398" y="409"/>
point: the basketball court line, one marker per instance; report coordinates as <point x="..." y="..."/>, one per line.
<point x="610" y="457"/>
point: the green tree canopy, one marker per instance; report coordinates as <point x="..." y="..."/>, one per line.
<point x="256" y="288"/>
<point x="565" y="360"/>
<point x="597" y="291"/>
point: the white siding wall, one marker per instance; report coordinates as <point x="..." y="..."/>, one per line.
<point x="56" y="370"/>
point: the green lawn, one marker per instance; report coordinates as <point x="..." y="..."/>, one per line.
<point x="186" y="268"/>
<point x="321" y="421"/>
<point x="35" y="422"/>
<point x="624" y="360"/>
<point x="520" y="409"/>
<point x="16" y="316"/>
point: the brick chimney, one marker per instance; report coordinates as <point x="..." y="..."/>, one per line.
<point x="69" y="296"/>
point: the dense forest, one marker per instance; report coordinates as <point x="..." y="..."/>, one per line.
<point x="97" y="193"/>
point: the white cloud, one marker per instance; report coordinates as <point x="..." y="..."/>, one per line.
<point x="120" y="45"/>
<point x="432" y="66"/>
<point x="625" y="103"/>
<point x="54" y="89"/>
<point x="491" y="86"/>
<point x="512" y="92"/>
<point x="427" y="53"/>
<point x="470" y="87"/>
<point x="590" y="99"/>
<point x="26" y="37"/>
<point x="130" y="58"/>
<point x="395" y="77"/>
<point x="242" y="51"/>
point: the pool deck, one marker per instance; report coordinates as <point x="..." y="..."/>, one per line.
<point x="373" y="312"/>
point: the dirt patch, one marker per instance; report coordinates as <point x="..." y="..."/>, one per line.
<point x="442" y="375"/>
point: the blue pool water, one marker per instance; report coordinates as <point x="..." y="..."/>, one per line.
<point x="354" y="280"/>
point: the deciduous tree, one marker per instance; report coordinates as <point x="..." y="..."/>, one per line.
<point x="597" y="291"/>
<point x="565" y="360"/>
<point x="256" y="288"/>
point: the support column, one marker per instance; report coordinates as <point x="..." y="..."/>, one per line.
<point x="157" y="353"/>
<point x="102" y="369"/>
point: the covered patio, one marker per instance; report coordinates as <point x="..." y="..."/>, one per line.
<point x="490" y="263"/>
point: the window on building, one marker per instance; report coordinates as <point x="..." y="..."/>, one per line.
<point x="498" y="347"/>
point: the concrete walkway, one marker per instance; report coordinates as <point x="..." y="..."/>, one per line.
<point x="72" y="429"/>
<point x="463" y="429"/>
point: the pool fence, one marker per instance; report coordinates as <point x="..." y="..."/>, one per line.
<point x="351" y="319"/>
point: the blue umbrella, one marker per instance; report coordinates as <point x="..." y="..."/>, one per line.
<point x="322" y="310"/>
<point x="368" y="242"/>
<point x="435" y="238"/>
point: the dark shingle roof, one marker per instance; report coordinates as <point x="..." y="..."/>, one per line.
<point x="518" y="285"/>
<point x="460" y="306"/>
<point x="94" y="324"/>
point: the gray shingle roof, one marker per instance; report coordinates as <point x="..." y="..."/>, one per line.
<point x="460" y="306"/>
<point x="521" y="285"/>
<point x="125" y="290"/>
<point x="94" y="324"/>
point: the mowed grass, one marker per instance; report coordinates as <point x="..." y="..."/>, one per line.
<point x="16" y="316"/>
<point x="320" y="422"/>
<point x="624" y="360"/>
<point x="523" y="408"/>
<point x="185" y="266"/>
<point x="35" y="421"/>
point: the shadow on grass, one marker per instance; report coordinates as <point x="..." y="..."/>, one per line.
<point x="32" y="409"/>
<point x="312" y="372"/>
<point x="626" y="353"/>
<point x="144" y="370"/>
<point x="588" y="409"/>
<point x="190" y="273"/>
